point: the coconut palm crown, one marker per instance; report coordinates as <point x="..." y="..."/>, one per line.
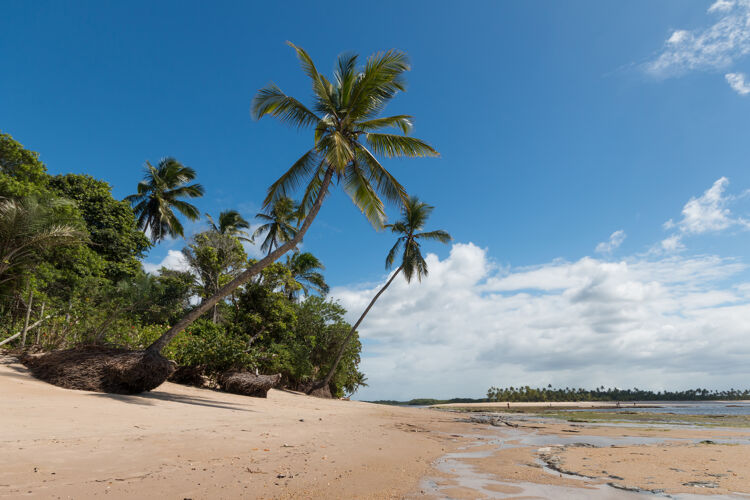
<point x="305" y="269"/>
<point x="280" y="224"/>
<point x="413" y="218"/>
<point x="345" y="117"/>
<point x="160" y="193"/>
<point x="231" y="223"/>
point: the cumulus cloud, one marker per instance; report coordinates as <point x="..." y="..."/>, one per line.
<point x="173" y="260"/>
<point x="703" y="214"/>
<point x="652" y="323"/>
<point x="672" y="243"/>
<point x="738" y="83"/>
<point x="708" y="212"/>
<point x="714" y="47"/>
<point x="615" y="240"/>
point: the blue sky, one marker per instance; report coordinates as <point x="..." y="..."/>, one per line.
<point x="558" y="125"/>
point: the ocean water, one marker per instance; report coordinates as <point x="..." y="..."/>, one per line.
<point x="684" y="408"/>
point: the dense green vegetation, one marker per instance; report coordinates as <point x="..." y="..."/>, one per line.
<point x="71" y="260"/>
<point x="529" y="394"/>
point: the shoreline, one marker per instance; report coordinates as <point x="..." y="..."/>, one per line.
<point x="185" y="442"/>
<point x="593" y="405"/>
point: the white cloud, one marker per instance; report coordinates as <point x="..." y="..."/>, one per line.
<point x="707" y="213"/>
<point x="678" y="36"/>
<point x="716" y="46"/>
<point x="615" y="240"/>
<point x="721" y="6"/>
<point x="738" y="83"/>
<point x="173" y="260"/>
<point x="672" y="243"/>
<point x="654" y="323"/>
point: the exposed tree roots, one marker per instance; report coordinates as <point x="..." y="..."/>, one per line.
<point x="189" y="375"/>
<point x="248" y="384"/>
<point x="101" y="369"/>
<point x="315" y="389"/>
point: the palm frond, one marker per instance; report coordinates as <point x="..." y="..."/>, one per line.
<point x="321" y="88"/>
<point x="438" y="235"/>
<point x="391" y="257"/>
<point x="337" y="150"/>
<point x="286" y="184"/>
<point x="345" y="78"/>
<point x="392" y="146"/>
<point x="363" y="196"/>
<point x="312" y="192"/>
<point x="271" y="100"/>
<point x="188" y="210"/>
<point x="385" y="183"/>
<point x="191" y="191"/>
<point x="211" y="222"/>
<point x="403" y="122"/>
<point x="378" y="83"/>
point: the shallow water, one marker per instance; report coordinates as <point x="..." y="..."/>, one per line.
<point x="466" y="476"/>
<point x="683" y="408"/>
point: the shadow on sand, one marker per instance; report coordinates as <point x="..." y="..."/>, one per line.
<point x="149" y="397"/>
<point x="21" y="372"/>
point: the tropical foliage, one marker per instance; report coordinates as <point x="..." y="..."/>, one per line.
<point x="279" y="224"/>
<point x="231" y="223"/>
<point x="348" y="130"/>
<point x="160" y="193"/>
<point x="526" y="393"/>
<point x="72" y="262"/>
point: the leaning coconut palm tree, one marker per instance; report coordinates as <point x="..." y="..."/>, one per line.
<point x="304" y="268"/>
<point x="347" y="131"/>
<point x="231" y="223"/>
<point x="414" y="215"/>
<point x="279" y="226"/>
<point x="159" y="195"/>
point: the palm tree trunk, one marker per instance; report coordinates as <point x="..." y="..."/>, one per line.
<point x="344" y="344"/>
<point x="245" y="276"/>
<point x="30" y="327"/>
<point x="26" y="323"/>
<point x="41" y="315"/>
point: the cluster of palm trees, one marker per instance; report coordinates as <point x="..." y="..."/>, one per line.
<point x="161" y="195"/>
<point x="349" y="134"/>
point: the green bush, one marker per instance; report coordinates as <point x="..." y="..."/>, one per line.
<point x="209" y="346"/>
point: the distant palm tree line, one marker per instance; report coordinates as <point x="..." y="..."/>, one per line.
<point x="531" y="394"/>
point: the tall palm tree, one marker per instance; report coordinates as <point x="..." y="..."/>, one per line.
<point x="159" y="195"/>
<point x="305" y="273"/>
<point x="414" y="215"/>
<point x="347" y="132"/>
<point x="231" y="223"/>
<point x="279" y="226"/>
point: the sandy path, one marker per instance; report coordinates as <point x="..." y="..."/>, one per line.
<point x="183" y="442"/>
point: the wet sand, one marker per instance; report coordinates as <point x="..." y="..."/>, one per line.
<point x="183" y="442"/>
